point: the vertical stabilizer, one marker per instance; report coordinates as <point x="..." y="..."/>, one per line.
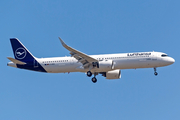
<point x="23" y="58"/>
<point x="21" y="53"/>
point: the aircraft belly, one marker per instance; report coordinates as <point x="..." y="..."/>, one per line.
<point x="60" y="68"/>
<point x="135" y="63"/>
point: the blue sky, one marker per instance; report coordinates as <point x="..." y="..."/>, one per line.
<point x="93" y="27"/>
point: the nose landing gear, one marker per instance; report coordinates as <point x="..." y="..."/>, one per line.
<point x="155" y="73"/>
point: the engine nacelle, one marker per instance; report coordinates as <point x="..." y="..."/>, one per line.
<point x="106" y="65"/>
<point x="114" y="74"/>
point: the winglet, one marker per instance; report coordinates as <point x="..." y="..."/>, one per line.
<point x="16" y="61"/>
<point x="63" y="43"/>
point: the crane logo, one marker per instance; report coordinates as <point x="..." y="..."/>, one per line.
<point x="20" y="53"/>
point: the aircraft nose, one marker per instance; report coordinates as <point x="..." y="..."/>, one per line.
<point x="171" y="60"/>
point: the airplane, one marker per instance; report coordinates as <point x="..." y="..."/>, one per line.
<point x="109" y="65"/>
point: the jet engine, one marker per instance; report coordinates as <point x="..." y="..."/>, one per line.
<point x="114" y="74"/>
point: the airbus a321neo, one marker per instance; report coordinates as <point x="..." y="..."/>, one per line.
<point x="109" y="65"/>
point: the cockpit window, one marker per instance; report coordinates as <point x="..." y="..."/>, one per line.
<point x="164" y="55"/>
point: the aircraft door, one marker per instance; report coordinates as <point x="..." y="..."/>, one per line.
<point x="154" y="56"/>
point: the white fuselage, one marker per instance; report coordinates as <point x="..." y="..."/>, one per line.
<point x="121" y="61"/>
<point x="108" y="65"/>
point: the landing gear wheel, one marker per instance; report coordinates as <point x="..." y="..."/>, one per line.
<point x="155" y="73"/>
<point x="94" y="80"/>
<point x="89" y="74"/>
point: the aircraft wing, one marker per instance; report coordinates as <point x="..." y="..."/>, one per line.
<point x="81" y="57"/>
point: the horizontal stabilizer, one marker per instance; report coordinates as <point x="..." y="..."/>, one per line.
<point x="16" y="61"/>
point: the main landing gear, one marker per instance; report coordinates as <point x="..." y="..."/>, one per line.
<point x="94" y="80"/>
<point x="89" y="74"/>
<point x="155" y="73"/>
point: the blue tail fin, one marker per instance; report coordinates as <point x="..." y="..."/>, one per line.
<point x="20" y="51"/>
